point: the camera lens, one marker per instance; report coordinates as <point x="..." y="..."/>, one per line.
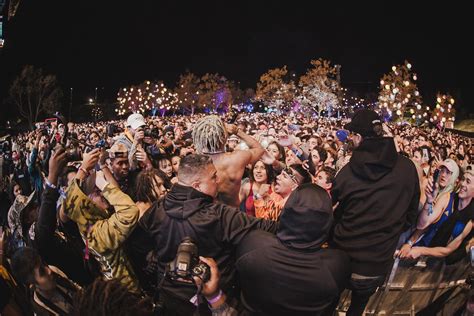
<point x="197" y="270"/>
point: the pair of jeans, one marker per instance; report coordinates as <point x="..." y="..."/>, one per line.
<point x="362" y="287"/>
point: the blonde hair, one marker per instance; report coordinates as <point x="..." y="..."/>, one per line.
<point x="209" y="135"/>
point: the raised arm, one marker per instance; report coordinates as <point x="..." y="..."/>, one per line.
<point x="441" y="252"/>
<point x="432" y="211"/>
<point x="255" y="149"/>
<point x="110" y="233"/>
<point x="47" y="221"/>
<point x="34" y="153"/>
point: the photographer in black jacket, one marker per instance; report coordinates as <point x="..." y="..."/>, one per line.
<point x="189" y="210"/>
<point x="378" y="194"/>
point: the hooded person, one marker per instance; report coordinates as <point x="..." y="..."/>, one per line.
<point x="290" y="273"/>
<point x="378" y="194"/>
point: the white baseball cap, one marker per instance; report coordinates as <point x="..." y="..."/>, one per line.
<point x="450" y="164"/>
<point x="136" y="120"/>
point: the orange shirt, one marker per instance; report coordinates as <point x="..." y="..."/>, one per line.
<point x="270" y="207"/>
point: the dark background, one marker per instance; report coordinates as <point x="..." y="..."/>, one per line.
<point x="111" y="44"/>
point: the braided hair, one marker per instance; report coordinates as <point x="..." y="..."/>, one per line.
<point x="209" y="135"/>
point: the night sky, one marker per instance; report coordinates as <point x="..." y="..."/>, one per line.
<point x="110" y="44"/>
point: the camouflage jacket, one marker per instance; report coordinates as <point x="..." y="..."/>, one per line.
<point x="105" y="233"/>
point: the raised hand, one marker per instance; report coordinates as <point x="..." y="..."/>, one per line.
<point x="430" y="192"/>
<point x="56" y="164"/>
<point x="267" y="158"/>
<point x="90" y="159"/>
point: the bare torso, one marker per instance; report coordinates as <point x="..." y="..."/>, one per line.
<point x="230" y="169"/>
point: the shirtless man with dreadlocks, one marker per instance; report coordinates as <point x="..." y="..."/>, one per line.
<point x="209" y="137"/>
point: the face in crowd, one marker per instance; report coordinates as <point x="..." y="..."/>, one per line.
<point x="94" y="139"/>
<point x="166" y="166"/>
<point x="312" y="143"/>
<point x="232" y="143"/>
<point x="417" y="157"/>
<point x="286" y="182"/>
<point x="273" y="150"/>
<point x="329" y="160"/>
<point x="159" y="187"/>
<point x="291" y="158"/>
<point x="444" y="176"/>
<point x="16" y="190"/>
<point x="175" y="160"/>
<point x="260" y="172"/>
<point x="316" y="158"/>
<point x="321" y="179"/>
<point x="466" y="188"/>
<point x="120" y="167"/>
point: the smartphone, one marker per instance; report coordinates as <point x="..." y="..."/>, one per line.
<point x="435" y="178"/>
<point x="425" y="155"/>
<point x="233" y="118"/>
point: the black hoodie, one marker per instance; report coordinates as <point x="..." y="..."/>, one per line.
<point x="378" y="194"/>
<point x="216" y="228"/>
<point x="289" y="274"/>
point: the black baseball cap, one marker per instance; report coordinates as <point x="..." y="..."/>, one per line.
<point x="363" y="122"/>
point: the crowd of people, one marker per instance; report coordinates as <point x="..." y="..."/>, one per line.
<point x="259" y="214"/>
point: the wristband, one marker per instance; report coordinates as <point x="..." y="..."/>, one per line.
<point x="49" y="184"/>
<point x="215" y="298"/>
<point x="410" y="243"/>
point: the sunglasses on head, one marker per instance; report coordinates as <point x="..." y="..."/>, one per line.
<point x="119" y="154"/>
<point x="290" y="173"/>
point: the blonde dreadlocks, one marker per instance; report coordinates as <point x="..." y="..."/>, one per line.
<point x="209" y="135"/>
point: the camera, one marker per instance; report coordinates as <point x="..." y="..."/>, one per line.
<point x="233" y="117"/>
<point x="186" y="265"/>
<point x="152" y="132"/>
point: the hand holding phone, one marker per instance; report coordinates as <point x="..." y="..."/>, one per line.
<point x="435" y="178"/>
<point x="432" y="187"/>
<point x="233" y="118"/>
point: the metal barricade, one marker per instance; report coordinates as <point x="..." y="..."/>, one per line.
<point x="414" y="289"/>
